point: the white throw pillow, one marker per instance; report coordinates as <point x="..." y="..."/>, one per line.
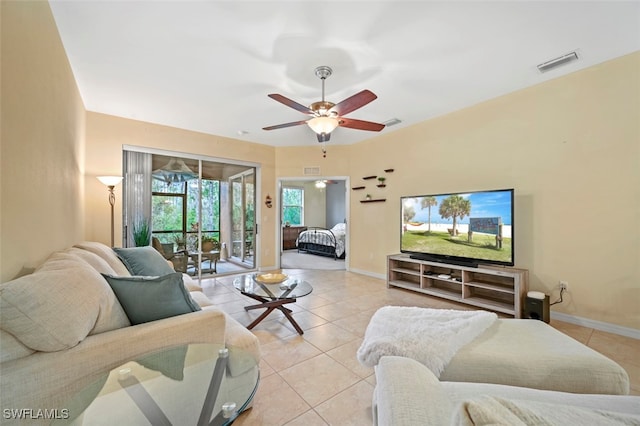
<point x="50" y="311"/>
<point x="57" y="306"/>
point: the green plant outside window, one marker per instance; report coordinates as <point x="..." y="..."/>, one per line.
<point x="293" y="205"/>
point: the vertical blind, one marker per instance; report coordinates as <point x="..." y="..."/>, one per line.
<point x="137" y="193"/>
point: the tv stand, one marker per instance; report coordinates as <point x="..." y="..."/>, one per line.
<point x="497" y="289"/>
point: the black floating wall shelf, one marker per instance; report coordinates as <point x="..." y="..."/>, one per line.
<point x="355" y="188"/>
<point x="369" y="177"/>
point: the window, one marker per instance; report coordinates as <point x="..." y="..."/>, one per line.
<point x="175" y="211"/>
<point x="293" y="205"/>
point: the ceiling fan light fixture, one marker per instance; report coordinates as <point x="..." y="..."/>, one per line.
<point x="323" y="124"/>
<point x="174" y="171"/>
<point x="320" y="184"/>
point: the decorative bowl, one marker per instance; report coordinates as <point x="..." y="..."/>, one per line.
<point x="271" y="278"/>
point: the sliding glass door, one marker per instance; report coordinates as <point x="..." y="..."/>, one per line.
<point x="201" y="212"/>
<point x="243" y="217"/>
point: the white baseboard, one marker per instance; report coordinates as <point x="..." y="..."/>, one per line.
<point x="368" y="273"/>
<point x="597" y="325"/>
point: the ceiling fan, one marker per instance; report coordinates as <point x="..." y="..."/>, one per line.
<point x="324" y="182"/>
<point x="325" y="115"/>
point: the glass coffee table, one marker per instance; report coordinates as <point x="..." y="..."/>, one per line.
<point x="182" y="385"/>
<point x="272" y="296"/>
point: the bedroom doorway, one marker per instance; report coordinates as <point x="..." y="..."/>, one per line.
<point x="316" y="211"/>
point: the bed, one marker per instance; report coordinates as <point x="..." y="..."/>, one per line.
<point x="323" y="241"/>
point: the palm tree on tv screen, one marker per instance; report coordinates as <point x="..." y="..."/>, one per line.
<point x="453" y="207"/>
<point x="427" y="203"/>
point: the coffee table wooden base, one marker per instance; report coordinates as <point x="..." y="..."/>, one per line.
<point x="272" y="305"/>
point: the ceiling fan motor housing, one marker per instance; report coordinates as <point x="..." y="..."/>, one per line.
<point x="323" y="109"/>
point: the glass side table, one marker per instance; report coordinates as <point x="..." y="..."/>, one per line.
<point x="182" y="385"/>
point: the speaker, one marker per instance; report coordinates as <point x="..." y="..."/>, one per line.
<point x="536" y="306"/>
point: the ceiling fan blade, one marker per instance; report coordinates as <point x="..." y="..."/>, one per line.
<point x="354" y="102"/>
<point x="282" y="126"/>
<point x="360" y="124"/>
<point x="324" y="137"/>
<point x="291" y="104"/>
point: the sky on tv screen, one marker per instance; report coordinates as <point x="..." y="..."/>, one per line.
<point x="483" y="204"/>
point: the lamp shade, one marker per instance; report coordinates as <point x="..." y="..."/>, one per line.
<point x="323" y="124"/>
<point x="110" y="180"/>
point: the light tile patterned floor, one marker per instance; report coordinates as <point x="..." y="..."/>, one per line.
<point x="315" y="379"/>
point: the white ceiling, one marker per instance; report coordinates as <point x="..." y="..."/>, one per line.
<point x="209" y="65"/>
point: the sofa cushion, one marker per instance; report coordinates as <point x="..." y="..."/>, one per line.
<point x="200" y="298"/>
<point x="407" y="393"/>
<point x="147" y="299"/>
<point x="107" y="254"/>
<point x="502" y="354"/>
<point x="144" y="261"/>
<point x="95" y="261"/>
<point x="12" y="348"/>
<point x="242" y="344"/>
<point x="110" y="314"/>
<point x="490" y="410"/>
<point x="51" y="310"/>
<point x="190" y="283"/>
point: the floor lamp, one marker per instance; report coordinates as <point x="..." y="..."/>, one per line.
<point x="111" y="182"/>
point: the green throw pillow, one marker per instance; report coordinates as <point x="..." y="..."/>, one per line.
<point x="147" y="299"/>
<point x="143" y="261"/>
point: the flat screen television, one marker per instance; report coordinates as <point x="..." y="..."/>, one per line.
<point x="465" y="228"/>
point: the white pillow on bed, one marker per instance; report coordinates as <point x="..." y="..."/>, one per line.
<point x="340" y="227"/>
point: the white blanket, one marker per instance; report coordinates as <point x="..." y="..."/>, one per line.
<point x="430" y="336"/>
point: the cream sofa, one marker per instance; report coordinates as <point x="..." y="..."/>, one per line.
<point x="62" y="326"/>
<point x="407" y="394"/>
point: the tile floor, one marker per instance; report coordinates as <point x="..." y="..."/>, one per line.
<point x="315" y="379"/>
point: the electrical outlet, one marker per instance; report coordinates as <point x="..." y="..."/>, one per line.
<point x="564" y="285"/>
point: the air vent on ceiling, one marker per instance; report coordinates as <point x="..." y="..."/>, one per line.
<point x="556" y="62"/>
<point x="392" y="122"/>
<point x="311" y="171"/>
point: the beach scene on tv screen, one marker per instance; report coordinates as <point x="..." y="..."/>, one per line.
<point x="475" y="225"/>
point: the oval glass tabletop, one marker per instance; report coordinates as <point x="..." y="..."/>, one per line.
<point x="182" y="385"/>
<point x="291" y="288"/>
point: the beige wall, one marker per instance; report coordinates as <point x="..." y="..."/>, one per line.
<point x="43" y="124"/>
<point x="107" y="134"/>
<point x="570" y="148"/>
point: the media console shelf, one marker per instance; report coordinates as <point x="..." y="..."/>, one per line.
<point x="497" y="289"/>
